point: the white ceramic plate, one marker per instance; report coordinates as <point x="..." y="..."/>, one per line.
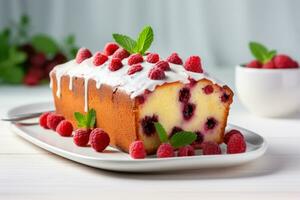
<point x="115" y="160"/>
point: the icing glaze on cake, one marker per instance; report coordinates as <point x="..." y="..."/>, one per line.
<point x="134" y="84"/>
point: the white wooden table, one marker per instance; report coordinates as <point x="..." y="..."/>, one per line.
<point x="28" y="172"/>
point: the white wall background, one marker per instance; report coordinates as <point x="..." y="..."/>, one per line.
<point x="216" y="30"/>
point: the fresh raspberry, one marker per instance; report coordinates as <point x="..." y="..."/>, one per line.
<point x="165" y="150"/>
<point x="64" y="128"/>
<point x="162" y="65"/>
<point x="230" y="133"/>
<point x="99" y="139"/>
<point x="175" y="59"/>
<point x="121" y="54"/>
<point x="152" y="58"/>
<point x="208" y="89"/>
<point x="110" y="48"/>
<point x="115" y="64"/>
<point x="187" y="150"/>
<point x="284" y="61"/>
<point x="210" y="148"/>
<point x="134" y="68"/>
<point x="81" y="137"/>
<point x="53" y="120"/>
<point x="254" y="64"/>
<point x="38" y="59"/>
<point x="193" y="64"/>
<point x="156" y="74"/>
<point x="43" y="120"/>
<point x="82" y="54"/>
<point x="99" y="58"/>
<point x="269" y="65"/>
<point x="137" y="150"/>
<point x="135" y="58"/>
<point x="236" y="144"/>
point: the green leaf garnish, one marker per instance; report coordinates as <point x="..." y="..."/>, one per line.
<point x="45" y="44"/>
<point x="261" y="53"/>
<point x="162" y="134"/>
<point x="141" y="45"/>
<point x="125" y="41"/>
<point x="86" y="121"/>
<point x="182" y="138"/>
<point x="144" y="40"/>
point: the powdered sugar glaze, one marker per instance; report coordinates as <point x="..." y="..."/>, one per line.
<point x="134" y="84"/>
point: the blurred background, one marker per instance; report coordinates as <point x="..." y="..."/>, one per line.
<point x="218" y="31"/>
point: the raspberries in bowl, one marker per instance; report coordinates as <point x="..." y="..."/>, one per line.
<point x="269" y="59"/>
<point x="269" y="85"/>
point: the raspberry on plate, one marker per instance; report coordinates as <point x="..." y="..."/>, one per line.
<point x="156" y="74"/>
<point x="82" y="54"/>
<point x="134" y="68"/>
<point x="135" y="58"/>
<point x="110" y="48"/>
<point x="152" y="58"/>
<point x="162" y="65"/>
<point x="115" y="64"/>
<point x="254" y="64"/>
<point x="230" y="133"/>
<point x="211" y="148"/>
<point x="99" y="139"/>
<point x="53" y="120"/>
<point x="121" y="54"/>
<point x="64" y="128"/>
<point x="137" y="150"/>
<point x="236" y="144"/>
<point x="43" y="120"/>
<point x="99" y="58"/>
<point x="175" y="59"/>
<point x="187" y="150"/>
<point x="81" y="137"/>
<point x="165" y="150"/>
<point x="193" y="64"/>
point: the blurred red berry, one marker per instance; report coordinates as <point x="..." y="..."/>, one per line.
<point x="38" y="59"/>
<point x="254" y="64"/>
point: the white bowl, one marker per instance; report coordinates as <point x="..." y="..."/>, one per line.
<point x="268" y="92"/>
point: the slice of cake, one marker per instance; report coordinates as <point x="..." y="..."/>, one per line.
<point x="132" y="91"/>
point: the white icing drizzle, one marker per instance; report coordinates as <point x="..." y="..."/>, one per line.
<point x="134" y="84"/>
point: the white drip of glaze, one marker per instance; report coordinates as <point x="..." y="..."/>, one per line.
<point x="134" y="85"/>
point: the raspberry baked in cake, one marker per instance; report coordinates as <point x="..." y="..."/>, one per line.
<point x="130" y="90"/>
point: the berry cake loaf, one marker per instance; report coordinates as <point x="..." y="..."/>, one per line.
<point x="132" y="91"/>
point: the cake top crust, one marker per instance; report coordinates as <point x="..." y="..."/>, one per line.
<point x="134" y="84"/>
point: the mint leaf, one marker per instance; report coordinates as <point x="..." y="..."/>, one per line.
<point x="15" y="56"/>
<point x="45" y="44"/>
<point x="125" y="41"/>
<point x="80" y="118"/>
<point x="144" y="40"/>
<point x="86" y="121"/>
<point x="70" y="40"/>
<point x="258" y="50"/>
<point x="162" y="134"/>
<point x="91" y="118"/>
<point x="270" y="55"/>
<point x="182" y="138"/>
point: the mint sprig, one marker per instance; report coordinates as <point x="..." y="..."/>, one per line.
<point x="261" y="53"/>
<point x="86" y="121"/>
<point x="125" y="41"/>
<point x="179" y="139"/>
<point x="140" y="45"/>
